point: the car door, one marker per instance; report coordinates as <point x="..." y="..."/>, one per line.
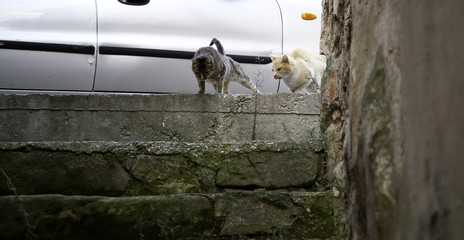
<point x="147" y="46"/>
<point x="47" y="44"/>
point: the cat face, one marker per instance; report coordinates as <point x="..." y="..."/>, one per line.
<point x="202" y="67"/>
<point x="281" y="66"/>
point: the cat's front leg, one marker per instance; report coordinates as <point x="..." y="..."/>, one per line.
<point x="201" y="85"/>
<point x="219" y="87"/>
<point x="298" y="89"/>
<point x="312" y="87"/>
<point x="226" y="88"/>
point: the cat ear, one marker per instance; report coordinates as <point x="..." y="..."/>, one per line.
<point x="285" y="59"/>
<point x="273" y="57"/>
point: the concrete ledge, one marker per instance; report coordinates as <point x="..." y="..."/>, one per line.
<point x="268" y="103"/>
<point x="154" y="168"/>
<point x="260" y="215"/>
<point x="144" y="117"/>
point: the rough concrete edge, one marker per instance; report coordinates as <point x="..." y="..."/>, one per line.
<point x="240" y="103"/>
<point x="159" y="147"/>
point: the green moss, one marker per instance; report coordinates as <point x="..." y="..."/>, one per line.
<point x="155" y="217"/>
<point x="377" y="124"/>
<point x="317" y="220"/>
<point x="385" y="202"/>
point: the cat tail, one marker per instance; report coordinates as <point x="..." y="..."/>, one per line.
<point x="218" y="45"/>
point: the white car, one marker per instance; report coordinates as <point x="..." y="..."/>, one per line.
<point x="143" y="45"/>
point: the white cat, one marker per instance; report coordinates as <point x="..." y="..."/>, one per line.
<point x="301" y="70"/>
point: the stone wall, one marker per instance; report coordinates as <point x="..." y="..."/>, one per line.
<point x="219" y="216"/>
<point x="335" y="44"/>
<point x="156" y="168"/>
<point x="390" y="107"/>
<point x="143" y="166"/>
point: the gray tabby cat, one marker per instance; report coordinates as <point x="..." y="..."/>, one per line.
<point x="211" y="65"/>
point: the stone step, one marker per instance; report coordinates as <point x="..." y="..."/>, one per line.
<point x="144" y="166"/>
<point x="149" y="117"/>
<point x="238" y="215"/>
<point x="155" y="168"/>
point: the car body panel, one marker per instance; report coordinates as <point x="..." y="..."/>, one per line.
<point x="47" y="44"/>
<point x="105" y="45"/>
<point x="185" y="26"/>
<point x="46" y="70"/>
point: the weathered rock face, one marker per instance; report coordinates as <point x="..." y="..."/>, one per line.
<point x="432" y="129"/>
<point x="392" y="76"/>
<point x="193" y="216"/>
<point x="256" y="190"/>
<point x="335" y="44"/>
<point x="154" y="168"/>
